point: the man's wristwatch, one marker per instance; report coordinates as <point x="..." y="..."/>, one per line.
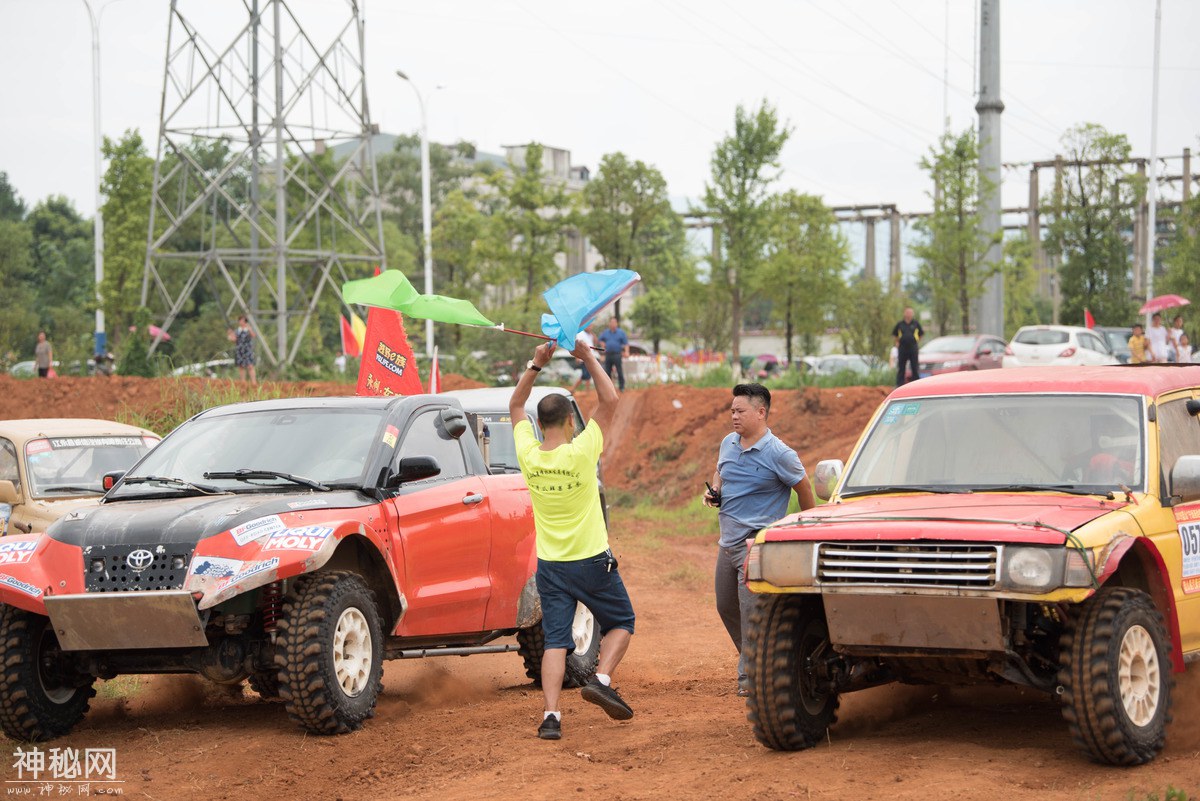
<point x="529" y="365"/>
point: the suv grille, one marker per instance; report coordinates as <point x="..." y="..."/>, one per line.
<point x="907" y="564"/>
<point x="110" y="568"/>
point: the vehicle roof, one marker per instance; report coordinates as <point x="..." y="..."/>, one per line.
<point x="1073" y="328"/>
<point x="380" y="402"/>
<point x="495" y="399"/>
<point x="1117" y="379"/>
<point x="21" y="431"/>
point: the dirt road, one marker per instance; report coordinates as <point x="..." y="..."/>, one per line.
<point x="464" y="728"/>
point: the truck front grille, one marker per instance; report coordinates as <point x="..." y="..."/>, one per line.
<point x="109" y="568"/>
<point x="908" y="564"/>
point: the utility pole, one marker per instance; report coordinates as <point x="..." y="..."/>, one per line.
<point x="989" y="107"/>
<point x="1152" y="186"/>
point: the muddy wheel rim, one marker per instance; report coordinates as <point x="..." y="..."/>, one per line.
<point x="583" y="628"/>
<point x="55" y="692"/>
<point x="1139" y="675"/>
<point x="352" y="652"/>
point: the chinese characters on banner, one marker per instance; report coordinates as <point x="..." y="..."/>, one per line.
<point x="388" y="367"/>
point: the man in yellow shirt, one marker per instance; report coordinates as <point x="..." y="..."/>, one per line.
<point x="1139" y="346"/>
<point x="575" y="564"/>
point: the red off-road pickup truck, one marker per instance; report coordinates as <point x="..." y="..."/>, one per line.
<point x="295" y="543"/>
<point x="1038" y="527"/>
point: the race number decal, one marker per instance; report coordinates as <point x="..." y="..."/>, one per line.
<point x="1189" y="544"/>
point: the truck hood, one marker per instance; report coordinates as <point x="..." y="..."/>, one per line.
<point x="189" y="519"/>
<point x="1005" y="517"/>
<point x="41" y="512"/>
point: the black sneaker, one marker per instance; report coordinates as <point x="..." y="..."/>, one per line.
<point x="607" y="698"/>
<point x="551" y="729"/>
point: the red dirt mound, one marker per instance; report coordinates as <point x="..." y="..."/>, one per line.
<point x="664" y="442"/>
<point x="104" y="397"/>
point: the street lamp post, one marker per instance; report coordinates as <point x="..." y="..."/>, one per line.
<point x="98" y="224"/>
<point x="426" y="207"/>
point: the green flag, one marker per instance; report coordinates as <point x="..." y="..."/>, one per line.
<point x="391" y="290"/>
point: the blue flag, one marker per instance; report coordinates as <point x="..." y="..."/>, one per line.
<point x="576" y="301"/>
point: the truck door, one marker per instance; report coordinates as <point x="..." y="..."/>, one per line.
<point x="444" y="535"/>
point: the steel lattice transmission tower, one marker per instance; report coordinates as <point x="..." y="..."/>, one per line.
<point x="250" y="205"/>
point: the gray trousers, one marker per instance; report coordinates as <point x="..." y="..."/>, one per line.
<point x="734" y="599"/>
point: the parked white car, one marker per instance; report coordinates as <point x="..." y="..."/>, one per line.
<point x="1054" y="345"/>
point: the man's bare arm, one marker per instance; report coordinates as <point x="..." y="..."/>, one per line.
<point x="605" y="391"/>
<point x="516" y="404"/>
<point x="804" y="494"/>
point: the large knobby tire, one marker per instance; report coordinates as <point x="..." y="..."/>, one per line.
<point x="330" y="652"/>
<point x="35" y="704"/>
<point x="786" y="708"/>
<point x="1116" y="677"/>
<point x="581" y="663"/>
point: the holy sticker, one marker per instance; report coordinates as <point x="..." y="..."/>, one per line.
<point x="261" y="527"/>
<point x="17" y="553"/>
<point x="309" y="538"/>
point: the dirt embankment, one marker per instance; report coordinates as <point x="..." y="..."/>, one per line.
<point x="664" y="443"/>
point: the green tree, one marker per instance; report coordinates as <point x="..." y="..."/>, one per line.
<point x="867" y="312"/>
<point x="806" y="256"/>
<point x="744" y="167"/>
<point x="629" y="220"/>
<point x="1023" y="304"/>
<point x="127" y="187"/>
<point x="400" y="181"/>
<point x="533" y="211"/>
<point x="657" y="315"/>
<point x="11" y="205"/>
<point x="19" y="322"/>
<point x="1182" y="259"/>
<point x="134" y="356"/>
<point x="464" y="241"/>
<point x="954" y="248"/>
<point x="1089" y="218"/>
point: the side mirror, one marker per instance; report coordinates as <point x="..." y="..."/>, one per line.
<point x="413" y="468"/>
<point x="826" y="477"/>
<point x="1185" y="479"/>
<point x="8" y="493"/>
<point x="454" y="421"/>
<point x="110" y="479"/>
<point x="1193" y="407"/>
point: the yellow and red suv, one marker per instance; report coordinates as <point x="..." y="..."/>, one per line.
<point x="1037" y="527"/>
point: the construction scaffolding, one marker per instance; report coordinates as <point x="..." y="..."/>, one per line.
<point x="250" y="207"/>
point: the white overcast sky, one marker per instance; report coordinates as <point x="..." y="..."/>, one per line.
<point x="861" y="82"/>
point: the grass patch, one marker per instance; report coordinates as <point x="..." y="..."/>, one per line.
<point x="1172" y="794"/>
<point x="182" y="399"/>
<point x="690" y="575"/>
<point x="120" y="687"/>
<point x="669" y="451"/>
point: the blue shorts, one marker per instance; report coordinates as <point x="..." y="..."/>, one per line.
<point x="584" y="375"/>
<point x="587" y="581"/>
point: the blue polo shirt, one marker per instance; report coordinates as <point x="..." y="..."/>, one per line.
<point x="755" y="484"/>
<point x="614" y="342"/>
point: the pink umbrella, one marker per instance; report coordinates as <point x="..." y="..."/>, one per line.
<point x="1163" y="302"/>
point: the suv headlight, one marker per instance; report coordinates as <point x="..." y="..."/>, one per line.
<point x="1032" y="569"/>
<point x="788" y="564"/>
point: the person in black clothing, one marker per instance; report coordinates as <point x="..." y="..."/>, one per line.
<point x="908" y="333"/>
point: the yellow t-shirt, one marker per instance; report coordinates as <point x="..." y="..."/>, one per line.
<point x="566" y="498"/>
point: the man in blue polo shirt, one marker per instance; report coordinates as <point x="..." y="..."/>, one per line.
<point x="756" y="474"/>
<point x="616" y="347"/>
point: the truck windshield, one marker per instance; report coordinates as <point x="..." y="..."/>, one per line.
<point x="330" y="446"/>
<point x="64" y="467"/>
<point x="1094" y="443"/>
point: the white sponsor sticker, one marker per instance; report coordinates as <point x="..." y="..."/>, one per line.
<point x="1189" y="542"/>
<point x="20" y="586"/>
<point x="253" y="569"/>
<point x="214" y="567"/>
<point x="17" y="553"/>
<point x="259" y="527"/>
<point x="309" y="538"/>
<point x="308" y="504"/>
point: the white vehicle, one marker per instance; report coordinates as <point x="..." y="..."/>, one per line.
<point x="1055" y="345"/>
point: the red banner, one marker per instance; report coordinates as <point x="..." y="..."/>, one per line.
<point x="349" y="341"/>
<point x="388" y="366"/>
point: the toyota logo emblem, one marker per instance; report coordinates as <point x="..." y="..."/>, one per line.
<point x="139" y="560"/>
